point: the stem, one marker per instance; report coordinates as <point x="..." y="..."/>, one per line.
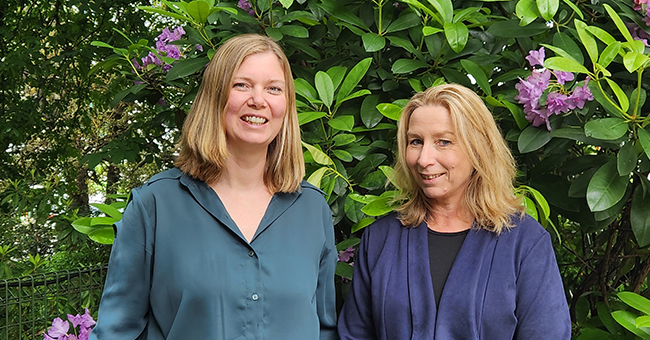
<point x="271" y="13"/>
<point x="638" y="93"/>
<point x="610" y="101"/>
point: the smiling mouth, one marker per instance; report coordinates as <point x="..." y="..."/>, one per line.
<point x="254" y="120"/>
<point x="427" y="177"/>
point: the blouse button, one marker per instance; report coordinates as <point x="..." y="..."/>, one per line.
<point x="255" y="297"/>
<point x="251" y="253"/>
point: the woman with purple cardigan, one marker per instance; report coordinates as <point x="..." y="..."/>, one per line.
<point x="459" y="259"/>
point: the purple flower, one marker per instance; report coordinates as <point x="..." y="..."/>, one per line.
<point x="199" y="47"/>
<point x="244" y="4"/>
<point x="167" y="35"/>
<point x="59" y="328"/>
<point x="531" y="89"/>
<point x="556" y="103"/>
<point x="637" y="33"/>
<point x="346" y="255"/>
<point x="87" y="320"/>
<point x="536" y="57"/>
<point x="579" y="96"/>
<point x="563" y="77"/>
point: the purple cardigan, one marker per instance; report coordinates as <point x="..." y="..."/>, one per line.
<point x="500" y="287"/>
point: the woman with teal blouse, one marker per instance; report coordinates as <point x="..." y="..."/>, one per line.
<point x="230" y="244"/>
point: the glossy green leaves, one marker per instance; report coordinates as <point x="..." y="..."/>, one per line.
<point x="606" y="187"/>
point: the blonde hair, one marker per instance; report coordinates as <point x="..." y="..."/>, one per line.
<point x="203" y="149"/>
<point x="489" y="196"/>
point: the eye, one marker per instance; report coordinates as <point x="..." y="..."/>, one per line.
<point x="275" y="89"/>
<point x="444" y="142"/>
<point x="415" y="142"/>
<point x="239" y="85"/>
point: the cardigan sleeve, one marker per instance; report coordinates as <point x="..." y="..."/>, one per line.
<point x="325" y="291"/>
<point x="542" y="310"/>
<point x="125" y="301"/>
<point x="356" y="319"/>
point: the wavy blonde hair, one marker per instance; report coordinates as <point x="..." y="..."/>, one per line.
<point x="203" y="149"/>
<point x="489" y="197"/>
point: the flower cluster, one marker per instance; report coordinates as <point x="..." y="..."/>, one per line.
<point x="558" y="99"/>
<point x="165" y="49"/>
<point x="642" y="5"/>
<point x="246" y="6"/>
<point x="60" y="328"/>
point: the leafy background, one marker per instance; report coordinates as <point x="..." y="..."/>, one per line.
<point x="83" y="123"/>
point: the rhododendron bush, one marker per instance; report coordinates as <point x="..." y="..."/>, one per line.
<point x="565" y="80"/>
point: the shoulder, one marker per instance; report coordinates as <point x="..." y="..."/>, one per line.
<point x="525" y="234"/>
<point x="309" y="192"/>
<point x="164" y="183"/>
<point x="385" y="227"/>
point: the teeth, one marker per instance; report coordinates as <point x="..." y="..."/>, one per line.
<point x="254" y="120"/>
<point x="431" y="176"/>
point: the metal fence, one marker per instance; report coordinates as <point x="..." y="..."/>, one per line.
<point x="29" y="304"/>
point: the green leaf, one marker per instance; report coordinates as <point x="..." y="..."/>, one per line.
<point x="344" y="123"/>
<point x="425" y="9"/>
<point x="609" y="53"/>
<point x="601" y="98"/>
<point x="344" y="270"/>
<point x="445" y="8"/>
<point x="626" y="159"/>
<point x="345" y="244"/>
<point x="305" y="89"/>
<point x="319" y="156"/>
<point x="316" y="177"/>
<point x="342" y="155"/>
<point x="336" y="73"/>
<point x="540" y="201"/>
<point x="103" y="235"/>
<point x="620" y="95"/>
<point x="575" y="8"/>
<point x="635" y="301"/>
<point x="108" y="210"/>
<point x="101" y="44"/>
<point x="566" y="43"/>
<point x="405" y="21"/>
<point x="199" y="10"/>
<point x="407" y="65"/>
<point x="640" y="219"/>
<point x="353" y="78"/>
<point x="306" y="117"/>
<point x="633" y="61"/>
<point x="619" y="23"/>
<point x="341" y="12"/>
<point x="627" y="320"/>
<point x="390" y="111"/>
<point x="428" y="30"/>
<point x="548" y="8"/>
<point x="588" y="41"/>
<point x="82" y="225"/>
<point x="531" y="209"/>
<point x="286" y="3"/>
<point x="606" y="128"/>
<point x="373" y="42"/>
<point x="274" y="33"/>
<point x="378" y="207"/>
<point x="511" y="29"/>
<point x="325" y="88"/>
<point x="526" y="11"/>
<point x="565" y="64"/>
<point x="478" y="74"/>
<point x="532" y="138"/>
<point x="370" y="116"/>
<point x="364" y="222"/>
<point x="184" y="68"/>
<point x="559" y="51"/>
<point x="343" y="139"/>
<point x="457" y="35"/>
<point x="102" y="221"/>
<point x="644" y="138"/>
<point x="602" y="35"/>
<point x="606" y="187"/>
<point x="295" y="31"/>
<point x="643" y="321"/>
<point x="163" y="12"/>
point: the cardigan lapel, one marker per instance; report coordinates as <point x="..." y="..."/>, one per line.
<point x="461" y="303"/>
<point x="419" y="284"/>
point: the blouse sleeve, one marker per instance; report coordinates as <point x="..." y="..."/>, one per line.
<point x="356" y="321"/>
<point x="542" y="310"/>
<point x="326" y="292"/>
<point x="125" y="301"/>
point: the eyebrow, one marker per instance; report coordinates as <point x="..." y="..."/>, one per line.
<point x="270" y="81"/>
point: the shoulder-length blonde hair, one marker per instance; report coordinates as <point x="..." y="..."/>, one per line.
<point x="489" y="197"/>
<point x="203" y="149"/>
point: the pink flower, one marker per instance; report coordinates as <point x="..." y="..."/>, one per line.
<point x="556" y="103"/>
<point x="346" y="255"/>
<point x="59" y="328"/>
<point x="536" y="57"/>
<point x="563" y="77"/>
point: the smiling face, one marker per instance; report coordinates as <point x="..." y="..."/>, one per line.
<point x="257" y="102"/>
<point x="435" y="157"/>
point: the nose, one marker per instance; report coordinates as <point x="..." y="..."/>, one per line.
<point x="427" y="156"/>
<point x="256" y="99"/>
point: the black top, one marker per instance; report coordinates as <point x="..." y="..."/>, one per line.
<point x="443" y="248"/>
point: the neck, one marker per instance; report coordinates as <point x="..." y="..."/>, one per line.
<point x="244" y="170"/>
<point x="449" y="218"/>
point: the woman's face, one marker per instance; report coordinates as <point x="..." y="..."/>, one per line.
<point x="435" y="157"/>
<point x="257" y="102"/>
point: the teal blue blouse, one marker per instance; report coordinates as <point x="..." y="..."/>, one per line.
<point x="181" y="269"/>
